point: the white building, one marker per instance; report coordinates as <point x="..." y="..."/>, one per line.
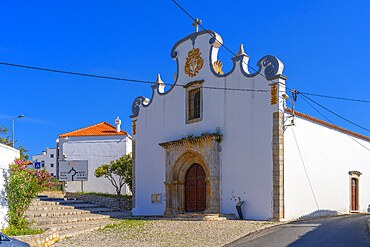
<point x="98" y="144"/>
<point x="7" y="156"/>
<point x="46" y="160"/>
<point x="199" y="147"/>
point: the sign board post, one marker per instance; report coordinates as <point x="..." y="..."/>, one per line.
<point x="73" y="170"/>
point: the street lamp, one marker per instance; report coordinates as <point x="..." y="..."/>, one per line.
<point x="20" y="116"/>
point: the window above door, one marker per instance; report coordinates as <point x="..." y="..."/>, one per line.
<point x="194" y="101"/>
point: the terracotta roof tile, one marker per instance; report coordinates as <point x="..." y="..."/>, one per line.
<point x="100" y="129"/>
<point x="332" y="126"/>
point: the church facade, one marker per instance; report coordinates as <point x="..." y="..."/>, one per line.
<point x="213" y="139"/>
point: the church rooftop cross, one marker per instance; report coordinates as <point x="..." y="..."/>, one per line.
<point x="196" y="23"/>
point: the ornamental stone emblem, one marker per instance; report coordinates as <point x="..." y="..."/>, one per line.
<point x="194" y="62"/>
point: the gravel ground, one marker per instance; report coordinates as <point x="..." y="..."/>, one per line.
<point x="166" y="233"/>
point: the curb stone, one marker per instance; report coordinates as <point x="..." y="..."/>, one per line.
<point x="284" y="222"/>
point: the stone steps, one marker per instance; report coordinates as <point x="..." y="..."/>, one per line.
<point x="64" y="212"/>
<point x="84" y="224"/>
<point x="70" y="217"/>
<point x="39" y="202"/>
<point x="48" y="207"/>
<point x="66" y="233"/>
<point x="40" y="221"/>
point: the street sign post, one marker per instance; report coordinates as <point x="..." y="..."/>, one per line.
<point x="73" y="170"/>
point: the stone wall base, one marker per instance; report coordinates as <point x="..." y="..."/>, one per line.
<point x="45" y="239"/>
<point x="106" y="201"/>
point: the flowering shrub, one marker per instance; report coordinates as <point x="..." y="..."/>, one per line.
<point x="21" y="186"/>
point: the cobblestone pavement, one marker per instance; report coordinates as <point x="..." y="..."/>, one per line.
<point x="133" y="232"/>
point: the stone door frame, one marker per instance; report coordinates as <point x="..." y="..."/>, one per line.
<point x="180" y="156"/>
<point x="356" y="176"/>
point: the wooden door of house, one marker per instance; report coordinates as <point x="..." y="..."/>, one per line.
<point x="195" y="189"/>
<point x="354" y="194"/>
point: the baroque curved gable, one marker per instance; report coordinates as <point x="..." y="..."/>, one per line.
<point x="196" y="58"/>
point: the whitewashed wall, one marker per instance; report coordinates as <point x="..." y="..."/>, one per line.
<point x="7" y="156"/>
<point x="48" y="159"/>
<point x="328" y="156"/>
<point x="245" y="120"/>
<point x="97" y="150"/>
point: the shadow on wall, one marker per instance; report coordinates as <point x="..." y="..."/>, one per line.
<point x="2" y="192"/>
<point x="319" y="213"/>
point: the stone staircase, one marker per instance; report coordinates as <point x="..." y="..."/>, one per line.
<point x="70" y="217"/>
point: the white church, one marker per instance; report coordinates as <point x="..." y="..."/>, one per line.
<point x="216" y="138"/>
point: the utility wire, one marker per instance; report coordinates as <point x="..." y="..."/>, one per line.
<point x="125" y="79"/>
<point x="249" y="66"/>
<point x="327" y="109"/>
<point x="336" y="97"/>
<point x="305" y="170"/>
<point x="74" y="73"/>
<point x="327" y="119"/>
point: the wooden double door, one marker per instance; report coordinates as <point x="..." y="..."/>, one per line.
<point x="195" y="189"/>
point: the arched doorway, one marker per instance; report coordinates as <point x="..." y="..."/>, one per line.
<point x="195" y="189"/>
<point x="354" y="194"/>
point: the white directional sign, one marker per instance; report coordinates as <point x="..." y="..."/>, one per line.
<point x="73" y="170"/>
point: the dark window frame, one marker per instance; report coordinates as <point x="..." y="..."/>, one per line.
<point x="194" y="101"/>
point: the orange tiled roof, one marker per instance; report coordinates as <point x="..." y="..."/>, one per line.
<point x="319" y="121"/>
<point x="100" y="129"/>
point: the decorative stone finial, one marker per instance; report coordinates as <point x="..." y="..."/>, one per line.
<point x="159" y="80"/>
<point x="241" y="51"/>
<point x="160" y="83"/>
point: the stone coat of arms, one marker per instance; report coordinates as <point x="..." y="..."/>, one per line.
<point x="194" y="62"/>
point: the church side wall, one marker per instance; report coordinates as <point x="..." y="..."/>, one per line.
<point x="328" y="156"/>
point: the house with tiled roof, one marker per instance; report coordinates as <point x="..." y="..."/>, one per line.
<point x="219" y="139"/>
<point x="97" y="144"/>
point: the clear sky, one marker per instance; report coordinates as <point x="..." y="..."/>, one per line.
<point x="325" y="46"/>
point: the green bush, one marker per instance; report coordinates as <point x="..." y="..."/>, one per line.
<point x="11" y="231"/>
<point x="22" y="185"/>
<point x="118" y="172"/>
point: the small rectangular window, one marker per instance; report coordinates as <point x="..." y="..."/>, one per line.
<point x="51" y="165"/>
<point x="42" y="163"/>
<point x="51" y="155"/>
<point x="194" y="104"/>
<point x="52" y="174"/>
<point x="194" y="101"/>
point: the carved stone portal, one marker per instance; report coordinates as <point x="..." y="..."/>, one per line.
<point x="180" y="156"/>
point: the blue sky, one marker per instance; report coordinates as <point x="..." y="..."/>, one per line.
<point x="325" y="46"/>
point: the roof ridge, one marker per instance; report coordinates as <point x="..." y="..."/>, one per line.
<point x="330" y="125"/>
<point x="99" y="129"/>
<point x="81" y="128"/>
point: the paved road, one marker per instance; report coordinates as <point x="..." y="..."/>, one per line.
<point x="346" y="231"/>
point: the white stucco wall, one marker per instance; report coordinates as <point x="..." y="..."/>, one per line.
<point x="7" y="156"/>
<point x="49" y="158"/>
<point x="97" y="150"/>
<point x="245" y="120"/>
<point x="328" y="155"/>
